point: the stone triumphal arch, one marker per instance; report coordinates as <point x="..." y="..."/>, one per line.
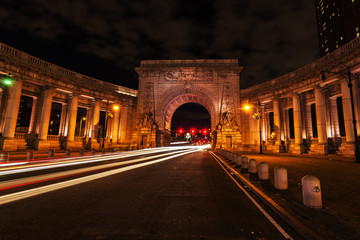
<point x="165" y="85"/>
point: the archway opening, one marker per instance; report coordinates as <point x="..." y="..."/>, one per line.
<point x="191" y="122"/>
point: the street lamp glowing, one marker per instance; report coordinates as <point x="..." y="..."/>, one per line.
<point x="246" y="107"/>
<point x="116" y="107"/>
<point x="7" y="81"/>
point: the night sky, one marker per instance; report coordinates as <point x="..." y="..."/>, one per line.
<point x="106" y="39"/>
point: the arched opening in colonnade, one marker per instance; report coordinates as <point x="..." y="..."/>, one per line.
<point x="191" y="122"/>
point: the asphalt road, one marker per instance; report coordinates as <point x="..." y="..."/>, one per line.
<point x="188" y="197"/>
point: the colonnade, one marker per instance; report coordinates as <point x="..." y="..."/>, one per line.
<point x="38" y="136"/>
<point x="278" y="137"/>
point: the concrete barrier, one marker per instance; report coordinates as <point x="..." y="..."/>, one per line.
<point x="30" y="155"/>
<point x="252" y="166"/>
<point x="4" y="157"/>
<point x="263" y="171"/>
<point x="311" y="191"/>
<point x="280" y="178"/>
<point x="51" y="154"/>
<point x="244" y="163"/>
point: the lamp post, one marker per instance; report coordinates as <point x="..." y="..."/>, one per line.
<point x="257" y="116"/>
<point x="81" y="121"/>
<point x="347" y="76"/>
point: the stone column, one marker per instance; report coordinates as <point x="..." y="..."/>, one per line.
<point x="123" y="124"/>
<point x="297" y="119"/>
<point x="87" y="122"/>
<point x="63" y="118"/>
<point x="346" y="101"/>
<point x="355" y="91"/>
<point x="95" y="117"/>
<point x="9" y="143"/>
<point x="320" y="115"/>
<point x="277" y="123"/>
<point x="32" y="117"/>
<point x="72" y="118"/>
<point x="115" y="127"/>
<point x="45" y="114"/>
<point x="335" y="129"/>
<point x="13" y="109"/>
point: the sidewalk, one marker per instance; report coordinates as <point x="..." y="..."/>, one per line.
<point x="340" y="184"/>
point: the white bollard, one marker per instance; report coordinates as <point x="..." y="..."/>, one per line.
<point x="4" y="157"/>
<point x="51" y="153"/>
<point x="263" y="171"/>
<point x="280" y="178"/>
<point x="252" y="166"/>
<point x="244" y="163"/>
<point x="30" y="155"/>
<point x="311" y="191"/>
<point x="67" y="153"/>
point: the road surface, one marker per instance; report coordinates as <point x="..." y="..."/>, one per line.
<point x="185" y="197"/>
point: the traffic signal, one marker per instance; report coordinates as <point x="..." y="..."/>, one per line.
<point x="192" y="131"/>
<point x="204" y="131"/>
<point x="180" y="131"/>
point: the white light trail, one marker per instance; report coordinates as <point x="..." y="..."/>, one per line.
<point x="44" y="177"/>
<point x="40" y="190"/>
<point x="85" y="160"/>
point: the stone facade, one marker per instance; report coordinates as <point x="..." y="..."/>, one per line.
<point x="301" y="112"/>
<point x="165" y="85"/>
<point x="303" y="103"/>
<point x="46" y="84"/>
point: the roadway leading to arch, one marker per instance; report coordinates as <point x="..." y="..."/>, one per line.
<point x="188" y="197"/>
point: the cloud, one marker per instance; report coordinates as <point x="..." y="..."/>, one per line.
<point x="268" y="39"/>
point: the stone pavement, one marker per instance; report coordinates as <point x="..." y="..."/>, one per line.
<point x="340" y="185"/>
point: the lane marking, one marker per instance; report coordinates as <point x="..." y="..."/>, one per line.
<point x="278" y="227"/>
<point x="52" y="187"/>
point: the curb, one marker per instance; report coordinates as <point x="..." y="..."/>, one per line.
<point x="281" y="212"/>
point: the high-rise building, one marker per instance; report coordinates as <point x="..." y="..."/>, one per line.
<point x="338" y="23"/>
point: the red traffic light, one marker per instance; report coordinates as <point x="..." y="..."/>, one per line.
<point x="192" y="131"/>
<point x="204" y="131"/>
<point x="180" y="131"/>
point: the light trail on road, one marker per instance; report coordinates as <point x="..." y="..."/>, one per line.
<point x="57" y="175"/>
<point x="85" y="160"/>
<point x="44" y="189"/>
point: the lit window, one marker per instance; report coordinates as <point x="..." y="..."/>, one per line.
<point x="357" y="29"/>
<point x="322" y="12"/>
<point x="333" y="14"/>
<point x="357" y="34"/>
<point x="337" y="46"/>
<point x="341" y="38"/>
<point x="326" y="50"/>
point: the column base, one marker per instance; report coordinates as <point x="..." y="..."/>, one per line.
<point x="347" y="149"/>
<point x="12" y="144"/>
<point x="319" y="148"/>
<point x="93" y="144"/>
<point x="295" y="148"/>
<point x="74" y="145"/>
